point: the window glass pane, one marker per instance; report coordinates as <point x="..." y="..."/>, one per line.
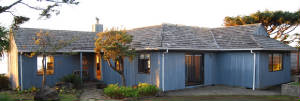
<point x="277" y="62"/>
<point x="148" y="63"/>
<point x="197" y="60"/>
<point x="142" y="56"/>
<point x="280" y="61"/>
<point x="270" y="63"/>
<point x="144" y="63"/>
<point x="147" y="56"/>
<point x="49" y="65"/>
<point x="39" y="64"/>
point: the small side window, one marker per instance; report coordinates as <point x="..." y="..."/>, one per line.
<point x="144" y="63"/>
<point x="49" y="65"/>
<point x="275" y="62"/>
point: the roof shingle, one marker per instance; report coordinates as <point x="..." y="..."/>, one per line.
<point x="171" y="36"/>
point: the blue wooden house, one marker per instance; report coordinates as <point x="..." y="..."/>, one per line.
<point x="168" y="55"/>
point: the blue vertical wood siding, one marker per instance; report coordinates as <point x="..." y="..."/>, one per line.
<point x="210" y="71"/>
<point x="266" y="78"/>
<point x="226" y="68"/>
<point x="63" y="65"/>
<point x="174" y="71"/>
<point x="131" y="72"/>
<point x="235" y="69"/>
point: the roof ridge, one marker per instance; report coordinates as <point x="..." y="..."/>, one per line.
<point x="55" y="29"/>
<point x="215" y="41"/>
<point x="256" y="24"/>
<point x="257" y="42"/>
<point x="144" y="27"/>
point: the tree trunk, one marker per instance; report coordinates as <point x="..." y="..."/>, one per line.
<point x="44" y="71"/>
<point x="121" y="61"/>
<point x="121" y="72"/>
<point x="123" y="79"/>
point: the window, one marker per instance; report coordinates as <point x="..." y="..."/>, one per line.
<point x="144" y="63"/>
<point x="49" y="65"/>
<point x="275" y="62"/>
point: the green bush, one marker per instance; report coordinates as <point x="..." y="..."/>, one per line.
<point x="4" y="82"/>
<point x="74" y="79"/>
<point x="143" y="89"/>
<point x="114" y="91"/>
<point x="5" y="97"/>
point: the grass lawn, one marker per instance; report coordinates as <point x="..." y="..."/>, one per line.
<point x="13" y="96"/>
<point x="224" y="98"/>
<point x="295" y="83"/>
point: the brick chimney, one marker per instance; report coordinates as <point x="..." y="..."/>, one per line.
<point x="97" y="27"/>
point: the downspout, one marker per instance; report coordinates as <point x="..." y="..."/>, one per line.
<point x="21" y="70"/>
<point x="254" y="70"/>
<point x="81" y="66"/>
<point x="163" y="69"/>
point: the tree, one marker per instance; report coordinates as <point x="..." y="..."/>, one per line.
<point x="4" y="40"/>
<point x="47" y="46"/>
<point x="46" y="12"/>
<point x="114" y="44"/>
<point x="277" y="23"/>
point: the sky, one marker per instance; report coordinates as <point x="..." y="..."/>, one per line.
<point x="140" y="13"/>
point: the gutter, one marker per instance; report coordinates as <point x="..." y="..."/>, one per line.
<point x="163" y="69"/>
<point x="195" y="49"/>
<point x="254" y="69"/>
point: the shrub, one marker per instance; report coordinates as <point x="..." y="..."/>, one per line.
<point x="5" y="97"/>
<point x="114" y="91"/>
<point x="4" y="82"/>
<point x="74" y="79"/>
<point x="145" y="89"/>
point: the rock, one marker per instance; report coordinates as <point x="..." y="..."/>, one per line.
<point x="46" y="94"/>
<point x="65" y="85"/>
<point x="160" y="94"/>
<point x="101" y="85"/>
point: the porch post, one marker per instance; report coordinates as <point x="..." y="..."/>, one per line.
<point x="81" y="65"/>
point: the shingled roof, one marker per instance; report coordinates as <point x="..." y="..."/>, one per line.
<point x="167" y="36"/>
<point x="80" y="41"/>
<point x="180" y="37"/>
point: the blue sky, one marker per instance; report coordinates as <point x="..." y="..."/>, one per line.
<point x="139" y="13"/>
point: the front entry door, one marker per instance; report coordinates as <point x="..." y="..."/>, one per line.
<point x="194" y="70"/>
<point x="98" y="67"/>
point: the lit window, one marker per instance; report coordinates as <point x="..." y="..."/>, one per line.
<point x="49" y="65"/>
<point x="275" y="62"/>
<point x="144" y="63"/>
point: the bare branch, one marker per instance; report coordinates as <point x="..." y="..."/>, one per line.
<point x="5" y="8"/>
<point x="10" y="12"/>
<point x="292" y="29"/>
<point x="36" y="8"/>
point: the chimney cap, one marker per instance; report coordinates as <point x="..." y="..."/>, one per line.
<point x="97" y="20"/>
